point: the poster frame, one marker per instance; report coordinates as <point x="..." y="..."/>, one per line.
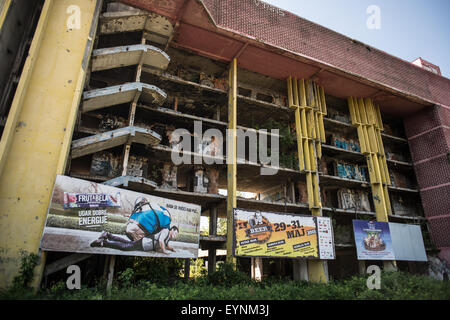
<point x="287" y="257"/>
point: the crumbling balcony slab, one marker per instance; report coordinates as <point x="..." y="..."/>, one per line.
<point x="158" y="28"/>
<point x="123" y="56"/>
<point x="132" y="183"/>
<point x="124" y="93"/>
<point x="114" y="138"/>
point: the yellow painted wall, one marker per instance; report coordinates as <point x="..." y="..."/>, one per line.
<point x="39" y="128"/>
<point x="4" y="7"/>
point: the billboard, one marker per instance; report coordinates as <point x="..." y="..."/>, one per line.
<point x="388" y="241"/>
<point x="407" y="241"/>
<point x="373" y="240"/>
<point x="280" y="235"/>
<point x="88" y="217"/>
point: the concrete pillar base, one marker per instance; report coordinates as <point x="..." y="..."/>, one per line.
<point x="300" y="270"/>
<point x="257" y="269"/>
<point x="390" y="266"/>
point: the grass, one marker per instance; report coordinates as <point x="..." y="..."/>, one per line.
<point x="227" y="284"/>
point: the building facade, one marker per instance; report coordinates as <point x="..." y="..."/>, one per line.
<point x="379" y="133"/>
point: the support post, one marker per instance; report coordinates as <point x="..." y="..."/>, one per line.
<point x="257" y="269"/>
<point x="213" y="212"/>
<point x="212" y="260"/>
<point x="51" y="83"/>
<point x="292" y="190"/>
<point x="105" y="267"/>
<point x="187" y="268"/>
<point x="212" y="231"/>
<point x="112" y="262"/>
<point x="300" y="270"/>
<point x="362" y="267"/>
<point x="231" y="157"/>
<point x="390" y="266"/>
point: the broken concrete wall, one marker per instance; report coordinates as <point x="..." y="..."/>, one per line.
<point x="393" y="153"/>
<point x="353" y="199"/>
<point x="208" y="76"/>
<point x="169" y="176"/>
<point x="201" y="180"/>
<point x="277" y="193"/>
<point x="117" y="6"/>
<point x="401" y="180"/>
<point x="302" y="191"/>
<point x="438" y="268"/>
<point x="111" y="122"/>
<point x="106" y="164"/>
<point x="404" y="206"/>
<point x="213" y="177"/>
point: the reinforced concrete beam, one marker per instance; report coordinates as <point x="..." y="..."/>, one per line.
<point x="231" y="155"/>
<point x="123" y="56"/>
<point x="124" y="93"/>
<point x="133" y="183"/>
<point x="159" y="29"/>
<point x="114" y="138"/>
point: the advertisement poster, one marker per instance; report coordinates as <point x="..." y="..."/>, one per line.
<point x="88" y="217"/>
<point x="269" y="234"/>
<point x="373" y="240"/>
<point x="407" y="241"/>
<point x="325" y="236"/>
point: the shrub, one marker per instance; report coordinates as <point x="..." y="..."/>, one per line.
<point x="125" y="278"/>
<point x="229" y="284"/>
<point x="227" y="276"/>
<point x="27" y="264"/>
<point x="156" y="270"/>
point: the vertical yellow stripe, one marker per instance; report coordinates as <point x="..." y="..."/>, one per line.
<point x="4" y="8"/>
<point x="231" y="157"/>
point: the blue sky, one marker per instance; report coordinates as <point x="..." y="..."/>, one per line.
<point x="409" y="28"/>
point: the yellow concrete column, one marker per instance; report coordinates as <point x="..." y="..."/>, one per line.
<point x="4" y="7"/>
<point x="366" y="117"/>
<point x="38" y="132"/>
<point x="308" y="101"/>
<point x="231" y="156"/>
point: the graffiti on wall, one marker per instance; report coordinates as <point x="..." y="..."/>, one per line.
<point x="346" y="144"/>
<point x="137" y="166"/>
<point x="350" y="171"/>
<point x="108" y="164"/>
<point x="353" y="199"/>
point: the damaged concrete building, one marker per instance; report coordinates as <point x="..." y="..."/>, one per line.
<point x="152" y="67"/>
